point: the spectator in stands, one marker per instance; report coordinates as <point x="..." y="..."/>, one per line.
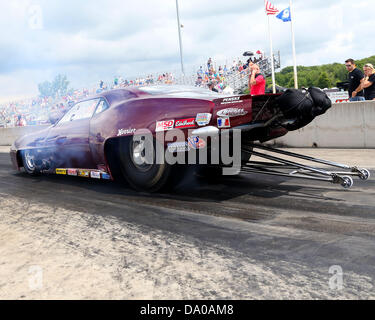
<point x="257" y="82"/>
<point x="355" y="78"/>
<point x="209" y="63"/>
<point x="211" y="86"/>
<point x="21" y="122"/>
<point x="369" y="82"/>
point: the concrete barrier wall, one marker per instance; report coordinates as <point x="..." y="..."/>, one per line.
<point x="345" y="125"/>
<point x="8" y="135"/>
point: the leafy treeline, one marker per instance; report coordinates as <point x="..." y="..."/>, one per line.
<point x="56" y="88"/>
<point x="324" y="76"/>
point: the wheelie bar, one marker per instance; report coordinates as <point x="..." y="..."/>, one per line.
<point x="298" y="170"/>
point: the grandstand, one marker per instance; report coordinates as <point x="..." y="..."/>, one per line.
<point x="232" y="79"/>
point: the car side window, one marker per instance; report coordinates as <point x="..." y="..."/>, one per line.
<point x="102" y="106"/>
<point x="81" y="110"/>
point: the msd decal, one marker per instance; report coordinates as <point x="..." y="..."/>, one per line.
<point x="164" y="125"/>
<point x="185" y="123"/>
<point x="196" y="142"/>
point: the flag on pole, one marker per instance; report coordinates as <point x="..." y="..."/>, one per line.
<point x="285" y="15"/>
<point x="270" y="9"/>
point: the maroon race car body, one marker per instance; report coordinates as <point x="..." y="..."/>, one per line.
<point x="90" y="136"/>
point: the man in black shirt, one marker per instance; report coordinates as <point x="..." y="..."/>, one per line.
<point x="355" y="78"/>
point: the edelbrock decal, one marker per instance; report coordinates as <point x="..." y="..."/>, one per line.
<point x="185" y="123"/>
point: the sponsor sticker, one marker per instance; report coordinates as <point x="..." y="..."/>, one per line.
<point x="203" y="119"/>
<point x="72" y="172"/>
<point x="231" y="112"/>
<point x="185" y="123"/>
<point x="223" y="122"/>
<point x="95" y="174"/>
<point x="178" y="146"/>
<point x="164" y="125"/>
<point x="106" y="176"/>
<point x="195" y="142"/>
<point x="231" y="100"/>
<point x="84" y="173"/>
<point x="60" y="171"/>
<point x="122" y="132"/>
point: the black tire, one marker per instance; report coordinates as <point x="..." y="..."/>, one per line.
<point x="28" y="160"/>
<point x="209" y="172"/>
<point x="147" y="177"/>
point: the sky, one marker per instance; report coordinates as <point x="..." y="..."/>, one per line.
<point x="90" y="40"/>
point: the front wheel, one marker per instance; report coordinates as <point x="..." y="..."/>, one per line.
<point x="137" y="172"/>
<point x="28" y="160"/>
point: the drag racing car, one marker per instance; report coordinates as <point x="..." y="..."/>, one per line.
<point x="103" y="137"/>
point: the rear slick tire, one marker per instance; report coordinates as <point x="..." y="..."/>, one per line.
<point x="142" y="177"/>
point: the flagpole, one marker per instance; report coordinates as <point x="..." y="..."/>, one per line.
<point x="179" y="38"/>
<point x="293" y="47"/>
<point x="272" y="64"/>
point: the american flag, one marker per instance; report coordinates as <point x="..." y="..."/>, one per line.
<point x="270" y="9"/>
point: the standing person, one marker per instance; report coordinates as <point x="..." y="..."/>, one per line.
<point x="355" y="78"/>
<point x="369" y="82"/>
<point x="257" y="82"/>
<point x="209" y="62"/>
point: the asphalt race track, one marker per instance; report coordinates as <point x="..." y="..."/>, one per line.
<point x="241" y="237"/>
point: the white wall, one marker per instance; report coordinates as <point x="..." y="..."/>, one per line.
<point x="8" y="135"/>
<point x="344" y="125"/>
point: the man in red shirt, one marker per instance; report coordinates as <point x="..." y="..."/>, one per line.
<point x="257" y="83"/>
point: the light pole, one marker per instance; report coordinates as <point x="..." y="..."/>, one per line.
<point x="179" y="38"/>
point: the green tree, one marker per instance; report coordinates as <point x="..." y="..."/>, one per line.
<point x="45" y="89"/>
<point x="60" y="85"/>
<point x="57" y="88"/>
<point x="312" y="75"/>
<point x="323" y="81"/>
